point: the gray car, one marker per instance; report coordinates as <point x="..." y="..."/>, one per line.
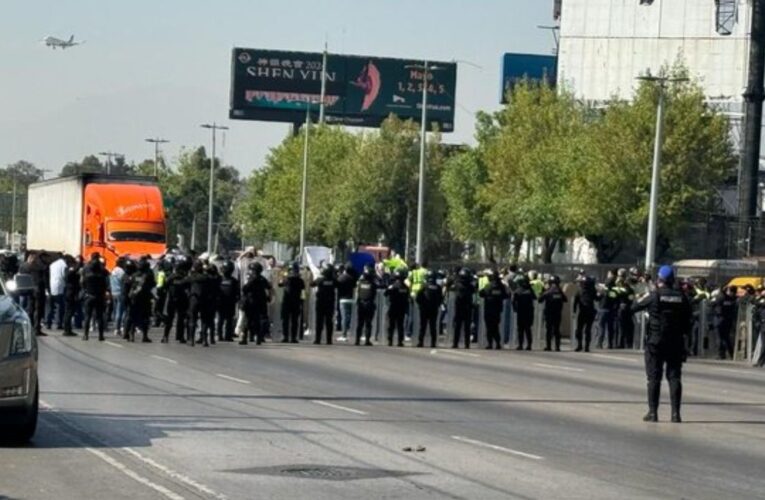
<point x="19" y="393"/>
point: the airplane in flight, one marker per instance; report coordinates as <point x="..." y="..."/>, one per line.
<point x="52" y="41"/>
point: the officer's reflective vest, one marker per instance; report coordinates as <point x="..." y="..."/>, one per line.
<point x="417" y="279"/>
<point x="537" y="286"/>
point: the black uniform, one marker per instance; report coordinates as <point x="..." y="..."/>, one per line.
<point x="38" y="271"/>
<point x="72" y="287"/>
<point x="256" y="296"/>
<point x="429" y="299"/>
<point x="494" y="295"/>
<point x="610" y="304"/>
<point x="585" y="309"/>
<point x="140" y="302"/>
<point x="759" y="316"/>
<point x="95" y="283"/>
<point x="669" y="322"/>
<point x="229" y="293"/>
<point x="464" y="288"/>
<point x="210" y="306"/>
<point x="292" y="305"/>
<point x="523" y="305"/>
<point x="398" y="307"/>
<point x="199" y="297"/>
<point x="325" y="305"/>
<point x="726" y="312"/>
<point x="625" y="315"/>
<point x="177" y="304"/>
<point x="366" y="305"/>
<point x="553" y="299"/>
<point x="127" y="300"/>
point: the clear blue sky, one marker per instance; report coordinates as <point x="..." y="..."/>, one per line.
<point x="152" y="67"/>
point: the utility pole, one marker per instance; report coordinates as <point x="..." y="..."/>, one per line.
<point x="750" y="157"/>
<point x="213" y="128"/>
<point x="304" y="193"/>
<point x="323" y="84"/>
<point x="156" y="142"/>
<point x="109" y="155"/>
<point x="13" y="212"/>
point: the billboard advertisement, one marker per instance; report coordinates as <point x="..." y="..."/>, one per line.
<point x="273" y="85"/>
<point x="516" y="67"/>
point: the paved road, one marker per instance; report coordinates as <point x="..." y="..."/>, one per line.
<point x="281" y="421"/>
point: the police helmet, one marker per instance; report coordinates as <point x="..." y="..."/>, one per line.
<point x="666" y="274"/>
<point x="464" y="272"/>
<point x="228" y="268"/>
<point x="369" y="270"/>
<point x="255" y="267"/>
<point x="295" y="267"/>
<point x="130" y="266"/>
<point x="532" y="275"/>
<point x="431" y="276"/>
<point x="402" y="273"/>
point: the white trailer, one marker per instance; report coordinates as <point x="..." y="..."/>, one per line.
<point x="54" y="217"/>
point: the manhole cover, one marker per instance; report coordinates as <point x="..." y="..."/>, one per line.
<point x="325" y="472"/>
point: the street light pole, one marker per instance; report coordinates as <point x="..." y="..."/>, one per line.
<point x="323" y="84"/>
<point x="156" y="142"/>
<point x="109" y="155"/>
<point x="213" y="128"/>
<point x="304" y="193"/>
<point x="13" y="212"/>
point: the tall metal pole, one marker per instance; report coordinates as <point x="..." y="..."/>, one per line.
<point x="650" y="246"/>
<point x="750" y="157"/>
<point x="323" y="84"/>
<point x="156" y="142"/>
<point x="13" y="212"/>
<point x="213" y="128"/>
<point x="304" y="193"/>
<point x="421" y="186"/>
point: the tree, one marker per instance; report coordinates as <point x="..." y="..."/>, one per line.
<point x="22" y="172"/>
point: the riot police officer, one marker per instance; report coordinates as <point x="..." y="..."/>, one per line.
<point x="553" y="299"/>
<point x="292" y="303"/>
<point x="325" y="285"/>
<point x="464" y="288"/>
<point x="398" y="306"/>
<point x="429" y="299"/>
<point x="177" y="303"/>
<point x="669" y="322"/>
<point x="197" y="297"/>
<point x="584" y="308"/>
<point x="256" y="295"/>
<point x="366" y="304"/>
<point x="140" y="300"/>
<point x="726" y="312"/>
<point x="494" y="295"/>
<point x="95" y="283"/>
<point x="523" y="305"/>
<point x="229" y="292"/>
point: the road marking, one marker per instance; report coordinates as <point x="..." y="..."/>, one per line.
<point x="338" y="407"/>
<point x="113" y="344"/>
<point x="559" y="367"/>
<point x="740" y="372"/>
<point x="162" y="358"/>
<point x="497" y="448"/>
<point x="134" y="475"/>
<point x="233" y="379"/>
<point x="456" y="353"/>
<point x="617" y="358"/>
<point x="176" y="475"/>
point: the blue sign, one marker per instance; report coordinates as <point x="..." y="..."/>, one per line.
<point x="533" y="67"/>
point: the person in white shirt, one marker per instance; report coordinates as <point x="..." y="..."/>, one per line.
<point x="57" y="274"/>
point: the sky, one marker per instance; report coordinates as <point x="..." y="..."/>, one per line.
<point x="152" y="68"/>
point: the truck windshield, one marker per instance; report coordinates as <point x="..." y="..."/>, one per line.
<point x="136" y="236"/>
<point x="152" y="232"/>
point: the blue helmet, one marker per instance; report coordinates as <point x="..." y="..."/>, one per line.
<point x="666" y="273"/>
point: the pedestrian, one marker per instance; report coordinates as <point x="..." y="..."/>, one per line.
<point x="585" y="310"/>
<point x="229" y="293"/>
<point x="398" y="306"/>
<point x="553" y="300"/>
<point x="256" y="296"/>
<point x="725" y="307"/>
<point x="494" y="294"/>
<point x="346" y="285"/>
<point x="56" y="278"/>
<point x="72" y="291"/>
<point x="464" y="288"/>
<point x="429" y="299"/>
<point x="177" y="305"/>
<point x="140" y="300"/>
<point x="507" y="323"/>
<point x="669" y="322"/>
<point x="366" y="304"/>
<point x="523" y="305"/>
<point x="325" y="285"/>
<point x="95" y="284"/>
<point x="292" y="303"/>
<point x="118" y="303"/>
<point x="127" y="284"/>
<point x="35" y="267"/>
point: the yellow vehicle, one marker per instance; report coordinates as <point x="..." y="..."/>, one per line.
<point x="742" y="281"/>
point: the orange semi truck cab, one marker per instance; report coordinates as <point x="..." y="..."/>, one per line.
<point x="111" y="215"/>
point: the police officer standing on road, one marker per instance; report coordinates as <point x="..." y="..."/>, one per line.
<point x="140" y="300"/>
<point x="256" y="295"/>
<point x="292" y="303"/>
<point x="584" y="308"/>
<point x="494" y="295"/>
<point x="197" y="287"/>
<point x="465" y="288"/>
<point x="95" y="282"/>
<point x="177" y="304"/>
<point x="553" y="299"/>
<point x="366" y="304"/>
<point x="346" y="285"/>
<point x="229" y="292"/>
<point x="429" y="298"/>
<point x="669" y="322"/>
<point x="523" y="305"/>
<point x="726" y="312"/>
<point x="398" y="306"/>
<point x="72" y="287"/>
<point x="325" y="285"/>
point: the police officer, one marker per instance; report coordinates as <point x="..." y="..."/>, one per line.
<point x="759" y="316"/>
<point x="726" y="312"/>
<point x="140" y="300"/>
<point x="256" y="295"/>
<point x="608" y="319"/>
<point x="177" y="304"/>
<point x="127" y="285"/>
<point x="584" y="308"/>
<point x="229" y="292"/>
<point x="669" y="322"/>
<point x="164" y="268"/>
<point x="464" y="288"/>
<point x="553" y="299"/>
<point x="625" y="313"/>
<point x="398" y="306"/>
<point x="72" y="287"/>
<point x="197" y="284"/>
<point x="429" y="299"/>
<point x="346" y="285"/>
<point x="494" y="295"/>
<point x="210" y="306"/>
<point x="292" y="303"/>
<point x="325" y="285"/>
<point x="95" y="283"/>
<point x="366" y="304"/>
<point x="523" y="305"/>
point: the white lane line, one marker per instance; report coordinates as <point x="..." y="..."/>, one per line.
<point x="617" y="358"/>
<point x="134" y="475"/>
<point x="497" y="448"/>
<point x="559" y="367"/>
<point x="739" y="371"/>
<point x="338" y="407"/>
<point x="162" y="358"/>
<point x="114" y="344"/>
<point x="233" y="379"/>
<point x="456" y="353"/>
<point x="176" y="475"/>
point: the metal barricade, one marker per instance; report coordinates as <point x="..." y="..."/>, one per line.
<point x="742" y="343"/>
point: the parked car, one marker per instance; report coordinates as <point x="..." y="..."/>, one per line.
<point x="19" y="390"/>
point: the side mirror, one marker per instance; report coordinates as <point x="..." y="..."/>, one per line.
<point x="20" y="284"/>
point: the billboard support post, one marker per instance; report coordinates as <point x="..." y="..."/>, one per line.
<point x="323" y="84"/>
<point x="421" y="184"/>
<point x="304" y="193"/>
<point x="213" y="128"/>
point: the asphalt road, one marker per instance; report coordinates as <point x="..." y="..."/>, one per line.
<point x="283" y="421"/>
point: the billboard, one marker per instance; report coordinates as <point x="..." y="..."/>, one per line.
<point x="516" y="67"/>
<point x="274" y="85"/>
